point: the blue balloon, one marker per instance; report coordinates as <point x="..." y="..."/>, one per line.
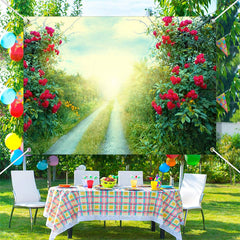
<point x="8" y="96"/>
<point x="8" y="40"/>
<point x="42" y="165"/>
<point x="164" y="168"/>
<point x="16" y="154"/>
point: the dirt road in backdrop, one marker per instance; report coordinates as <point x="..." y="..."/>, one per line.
<point x="68" y="142"/>
<point x="115" y="142"/>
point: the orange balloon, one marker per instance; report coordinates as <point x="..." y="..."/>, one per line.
<point x="171" y="162"/>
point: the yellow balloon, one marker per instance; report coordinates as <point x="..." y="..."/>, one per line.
<point x="13" y="141"/>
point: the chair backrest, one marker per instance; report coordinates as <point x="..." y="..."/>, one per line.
<point x="124" y="177"/>
<point x="24" y="186"/>
<point x="79" y="177"/>
<point x="192" y="188"/>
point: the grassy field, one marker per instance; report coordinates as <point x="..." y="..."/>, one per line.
<point x="96" y="132"/>
<point x="221" y="206"/>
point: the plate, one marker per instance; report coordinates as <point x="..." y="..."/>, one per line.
<point x="144" y="186"/>
<point x="167" y="186"/>
<point x="133" y="189"/>
<point x="104" y="189"/>
<point x="64" y="185"/>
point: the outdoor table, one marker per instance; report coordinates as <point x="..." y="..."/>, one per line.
<point x="66" y="207"/>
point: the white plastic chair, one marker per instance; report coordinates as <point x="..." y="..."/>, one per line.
<point x="191" y="192"/>
<point x="26" y="194"/>
<point x="124" y="177"/>
<point x="79" y="177"/>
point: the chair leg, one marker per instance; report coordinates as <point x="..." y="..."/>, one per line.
<point x="10" y="220"/>
<point x="104" y="224"/>
<point x="120" y="223"/>
<point x="30" y="213"/>
<point x="35" y="216"/>
<point x="162" y="234"/>
<point x="185" y="220"/>
<point x="203" y="220"/>
<point x="152" y="226"/>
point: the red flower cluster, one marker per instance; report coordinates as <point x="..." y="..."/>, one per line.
<point x="175" y="80"/>
<point x="57" y="51"/>
<point x="47" y="95"/>
<point x="157" y="108"/>
<point x="56" y="107"/>
<point x="154" y="33"/>
<point x="176" y="70"/>
<point x="215" y="68"/>
<point x="171" y="95"/>
<point x="32" y="69"/>
<point x="191" y="94"/>
<point x="166" y="39"/>
<point x="50" y="31"/>
<point x="170" y="105"/>
<point x="167" y="20"/>
<point x="169" y="54"/>
<point x="28" y="94"/>
<point x="25" y="64"/>
<point x="41" y="72"/>
<point x="196" y="37"/>
<point x="60" y="42"/>
<point x="186" y="29"/>
<point x="158" y="45"/>
<point x="187" y="65"/>
<point x="45" y="104"/>
<point x="36" y="34"/>
<point x="193" y="32"/>
<point x="27" y="125"/>
<point x="198" y="80"/>
<point x="200" y="59"/>
<point x="25" y="81"/>
<point x="43" y="82"/>
<point x="185" y="23"/>
<point x="49" y="48"/>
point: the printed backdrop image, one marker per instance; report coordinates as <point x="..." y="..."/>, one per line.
<point x="119" y="85"/>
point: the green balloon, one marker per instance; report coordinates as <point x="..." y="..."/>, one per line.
<point x="192" y="159"/>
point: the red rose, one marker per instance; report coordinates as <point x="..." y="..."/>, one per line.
<point x="193" y="32"/>
<point x="25" y="64"/>
<point x="25" y="81"/>
<point x="169" y="54"/>
<point x="41" y="72"/>
<point x="170" y="105"/>
<point x="158" y="45"/>
<point x="187" y="65"/>
<point x="167" y="20"/>
<point x="215" y="68"/>
<point x="32" y="69"/>
<point x="192" y="94"/>
<point x="196" y="38"/>
<point x="45" y="104"/>
<point x="60" y="42"/>
<point x="155" y="33"/>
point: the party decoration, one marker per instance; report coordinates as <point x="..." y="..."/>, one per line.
<point x="16" y="154"/>
<point x="158" y="179"/>
<point x="8" y="96"/>
<point x="171" y="162"/>
<point x="53" y="161"/>
<point x="221" y="43"/>
<point x="42" y="165"/>
<point x="164" y="168"/>
<point x="16" y="109"/>
<point x="12" y="141"/>
<point x="171" y="156"/>
<point x="19" y="96"/>
<point x="192" y="159"/>
<point x="8" y="40"/>
<point x="19" y="40"/>
<point x="81" y="168"/>
<point x="222" y="101"/>
<point x="16" y="53"/>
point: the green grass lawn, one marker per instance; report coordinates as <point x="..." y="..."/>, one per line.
<point x="221" y="207"/>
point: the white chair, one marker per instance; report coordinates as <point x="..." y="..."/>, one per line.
<point x="26" y="194"/>
<point x="79" y="177"/>
<point x="124" y="177"/>
<point x="191" y="192"/>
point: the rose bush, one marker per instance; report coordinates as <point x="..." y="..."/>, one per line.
<point x="185" y="104"/>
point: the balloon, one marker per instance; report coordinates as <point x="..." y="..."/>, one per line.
<point x="171" y="162"/>
<point x="42" y="165"/>
<point x="13" y="141"/>
<point x="8" y="96"/>
<point x="53" y="160"/>
<point x="164" y="168"/>
<point x="17" y="153"/>
<point x="81" y="168"/>
<point x="16" y="109"/>
<point x="192" y="159"/>
<point x="16" y="53"/>
<point x="171" y="156"/>
<point x="8" y="40"/>
<point x="21" y="147"/>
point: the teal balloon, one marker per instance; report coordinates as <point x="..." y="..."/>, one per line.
<point x="15" y="155"/>
<point x="42" y="165"/>
<point x="164" y="168"/>
<point x="8" y="40"/>
<point x="8" y="96"/>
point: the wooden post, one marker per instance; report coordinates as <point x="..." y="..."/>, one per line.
<point x="49" y="177"/>
<point x="54" y="173"/>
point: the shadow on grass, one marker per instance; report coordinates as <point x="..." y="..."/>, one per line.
<point x="214" y="230"/>
<point x="221" y="206"/>
<point x="226" y="193"/>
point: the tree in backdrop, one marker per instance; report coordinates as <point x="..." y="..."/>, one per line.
<point x="228" y="80"/>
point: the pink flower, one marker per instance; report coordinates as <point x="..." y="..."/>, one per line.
<point x="167" y="20"/>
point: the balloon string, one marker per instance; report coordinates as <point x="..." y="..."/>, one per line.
<point x="8" y="5"/>
<point x="28" y="150"/>
<point x="213" y="150"/>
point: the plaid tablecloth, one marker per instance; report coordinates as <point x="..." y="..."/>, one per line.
<point x="65" y="207"/>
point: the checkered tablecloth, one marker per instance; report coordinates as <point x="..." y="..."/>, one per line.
<point x="65" y="207"/>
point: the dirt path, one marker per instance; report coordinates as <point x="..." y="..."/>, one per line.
<point x="68" y="142"/>
<point x="115" y="142"/>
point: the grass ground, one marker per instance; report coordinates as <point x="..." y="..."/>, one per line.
<point x="95" y="134"/>
<point x="221" y="206"/>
